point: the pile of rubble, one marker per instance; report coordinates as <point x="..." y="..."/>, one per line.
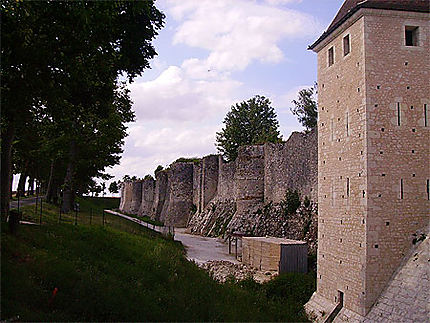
<point x="221" y="271"/>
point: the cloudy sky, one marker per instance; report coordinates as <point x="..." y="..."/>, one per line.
<point x="212" y="54"/>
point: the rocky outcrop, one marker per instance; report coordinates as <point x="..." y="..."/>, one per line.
<point x="213" y="221"/>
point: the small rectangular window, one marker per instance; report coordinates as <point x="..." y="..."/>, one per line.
<point x="331" y="56"/>
<point x="347" y="187"/>
<point x="346" y="45"/>
<point x="401" y="188"/>
<point x="398" y="113"/>
<point x="411" y="36"/>
<point x="425" y="115"/>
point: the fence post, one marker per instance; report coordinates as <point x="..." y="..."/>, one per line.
<point x="40" y="218"/>
<point x="35" y="210"/>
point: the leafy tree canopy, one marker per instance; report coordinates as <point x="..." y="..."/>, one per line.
<point x="247" y="123"/>
<point x="114" y="187"/>
<point x="305" y="108"/>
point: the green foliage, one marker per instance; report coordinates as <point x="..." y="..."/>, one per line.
<point x="114" y="187"/>
<point x="158" y="169"/>
<point x="247" y="123"/>
<point x="306" y="201"/>
<point x="291" y="202"/>
<point x="292" y="287"/>
<point x="103" y="274"/>
<point x="193" y="209"/>
<point x="305" y="108"/>
<point x="61" y="68"/>
<point x="148" y="177"/>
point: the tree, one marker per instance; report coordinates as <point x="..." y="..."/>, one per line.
<point x="61" y="62"/>
<point x="247" y="123"/>
<point x="305" y="107"/>
<point x="114" y="187"/>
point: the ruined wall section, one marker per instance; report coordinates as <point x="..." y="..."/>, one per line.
<point x="136" y="196"/>
<point x="159" y="195"/>
<point x="226" y="185"/>
<point x="249" y="182"/>
<point x="126" y="196"/>
<point x="197" y="184"/>
<point x="210" y="174"/>
<point x="148" y="194"/>
<point x="179" y="198"/>
<point x="291" y="165"/>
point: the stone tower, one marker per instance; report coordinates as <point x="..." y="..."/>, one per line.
<point x="373" y="148"/>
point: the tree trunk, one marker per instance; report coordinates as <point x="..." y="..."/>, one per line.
<point x="50" y="187"/>
<point x="11" y="185"/>
<point x="30" y="190"/>
<point x="68" y="191"/>
<point x="6" y="168"/>
<point x="20" y="191"/>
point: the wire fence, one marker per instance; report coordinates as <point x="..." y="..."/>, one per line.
<point x="42" y="213"/>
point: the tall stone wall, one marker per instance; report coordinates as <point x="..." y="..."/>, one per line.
<point x="159" y="195"/>
<point x="126" y="196"/>
<point x="292" y="165"/>
<point x="136" y="196"/>
<point x="210" y="173"/>
<point x="148" y="194"/>
<point x="226" y="185"/>
<point x="179" y="198"/>
<point x="197" y="184"/>
<point x="230" y="196"/>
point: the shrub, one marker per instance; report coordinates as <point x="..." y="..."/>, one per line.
<point x="291" y="202"/>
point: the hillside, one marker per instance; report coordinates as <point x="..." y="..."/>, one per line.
<point x="104" y="274"/>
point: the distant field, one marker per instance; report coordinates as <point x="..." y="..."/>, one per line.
<point x="123" y="272"/>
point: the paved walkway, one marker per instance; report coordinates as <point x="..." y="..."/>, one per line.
<point x="23" y="202"/>
<point x="201" y="249"/>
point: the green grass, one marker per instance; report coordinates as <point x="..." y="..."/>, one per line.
<point x="123" y="272"/>
<point x="146" y="219"/>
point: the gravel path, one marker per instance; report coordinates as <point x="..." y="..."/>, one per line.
<point x="23" y="202"/>
<point x="202" y="249"/>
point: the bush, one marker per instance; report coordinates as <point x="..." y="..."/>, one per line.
<point x="291" y="202"/>
<point x="306" y="201"/>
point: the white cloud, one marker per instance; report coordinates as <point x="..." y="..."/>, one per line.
<point x="281" y="2"/>
<point x="178" y="94"/>
<point x="238" y="32"/>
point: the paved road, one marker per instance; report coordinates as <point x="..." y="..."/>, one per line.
<point x="202" y="249"/>
<point x="24" y="202"/>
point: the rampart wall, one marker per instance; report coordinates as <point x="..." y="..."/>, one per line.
<point x="148" y="194"/>
<point x="212" y="196"/>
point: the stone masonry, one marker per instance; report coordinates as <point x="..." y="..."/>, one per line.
<point x="226" y="197"/>
<point x="373" y="148"/>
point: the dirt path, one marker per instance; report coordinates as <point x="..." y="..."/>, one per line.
<point x="23" y="202"/>
<point x="202" y="249"/>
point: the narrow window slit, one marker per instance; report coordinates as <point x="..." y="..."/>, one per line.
<point x="398" y="113"/>
<point x="401" y="188"/>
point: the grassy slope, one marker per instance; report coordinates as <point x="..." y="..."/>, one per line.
<point x="103" y="274"/>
